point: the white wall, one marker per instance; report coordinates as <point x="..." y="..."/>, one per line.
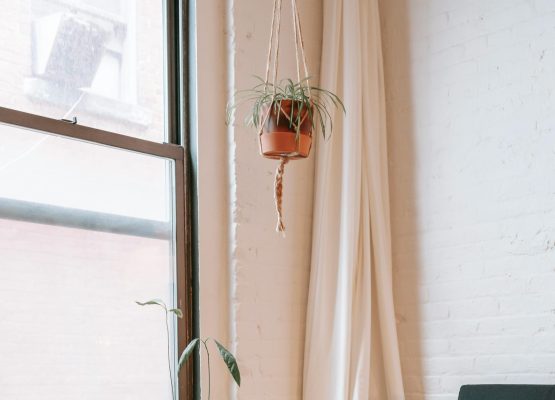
<point x="253" y="282"/>
<point x="470" y="91"/>
<point x="270" y="273"/>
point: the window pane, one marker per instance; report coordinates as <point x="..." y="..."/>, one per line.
<point x="85" y="230"/>
<point x="100" y="61"/>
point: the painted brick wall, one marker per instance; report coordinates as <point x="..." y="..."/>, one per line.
<point x="253" y="282"/>
<point x="269" y="273"/>
<point x="470" y="97"/>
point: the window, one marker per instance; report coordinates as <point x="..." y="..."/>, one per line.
<point x="100" y="61"/>
<point x="93" y="215"/>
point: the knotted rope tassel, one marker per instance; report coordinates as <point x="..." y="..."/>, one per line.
<point x="278" y="193"/>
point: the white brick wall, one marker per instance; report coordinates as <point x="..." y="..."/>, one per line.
<point x="253" y="283"/>
<point x="269" y="273"/>
<point x="470" y="101"/>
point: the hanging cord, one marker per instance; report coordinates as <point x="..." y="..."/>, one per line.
<point x="278" y="193"/>
<point x="274" y="42"/>
<point x="273" y="47"/>
<point x="299" y="42"/>
<point x="295" y="30"/>
<point x="275" y="30"/>
<point x="276" y="52"/>
<point x="270" y="45"/>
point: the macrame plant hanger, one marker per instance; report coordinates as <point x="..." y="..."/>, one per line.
<point x="272" y="66"/>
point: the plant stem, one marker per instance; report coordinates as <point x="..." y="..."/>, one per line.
<point x="208" y="364"/>
<point x="169" y="355"/>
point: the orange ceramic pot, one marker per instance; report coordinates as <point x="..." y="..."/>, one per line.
<point x="278" y="139"/>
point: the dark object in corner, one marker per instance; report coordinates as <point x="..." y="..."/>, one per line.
<point x="507" y="392"/>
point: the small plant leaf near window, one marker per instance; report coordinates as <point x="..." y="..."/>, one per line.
<point x="187" y="353"/>
<point x="194" y="345"/>
<point x="230" y="362"/>
<point x="285" y="113"/>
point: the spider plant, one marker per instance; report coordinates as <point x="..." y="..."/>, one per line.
<point x="306" y="101"/>
<point x="193" y="345"/>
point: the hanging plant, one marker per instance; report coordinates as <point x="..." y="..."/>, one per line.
<point x="286" y="113"/>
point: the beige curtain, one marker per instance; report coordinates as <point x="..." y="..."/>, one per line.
<point x="351" y="349"/>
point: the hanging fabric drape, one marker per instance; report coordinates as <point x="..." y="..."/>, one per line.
<point x="351" y="348"/>
<point x="270" y="80"/>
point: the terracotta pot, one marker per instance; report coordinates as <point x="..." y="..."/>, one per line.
<point x="278" y="139"/>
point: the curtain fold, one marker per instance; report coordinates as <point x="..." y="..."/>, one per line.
<point x="351" y="348"/>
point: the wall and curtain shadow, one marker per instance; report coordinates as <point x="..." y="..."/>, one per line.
<point x="395" y="19"/>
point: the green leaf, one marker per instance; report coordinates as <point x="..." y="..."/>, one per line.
<point x="157" y="302"/>
<point x="187" y="353"/>
<point x="177" y="312"/>
<point x="230" y="361"/>
<point x="266" y="94"/>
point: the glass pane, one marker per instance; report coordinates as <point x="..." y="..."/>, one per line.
<point x="101" y="61"/>
<point x="85" y="230"/>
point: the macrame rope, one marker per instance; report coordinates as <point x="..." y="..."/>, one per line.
<point x="297" y="24"/>
<point x="273" y="47"/>
<point x="276" y="54"/>
<point x="274" y="43"/>
<point x="270" y="44"/>
<point x="296" y="31"/>
<point x="278" y="193"/>
<point x="276" y="21"/>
